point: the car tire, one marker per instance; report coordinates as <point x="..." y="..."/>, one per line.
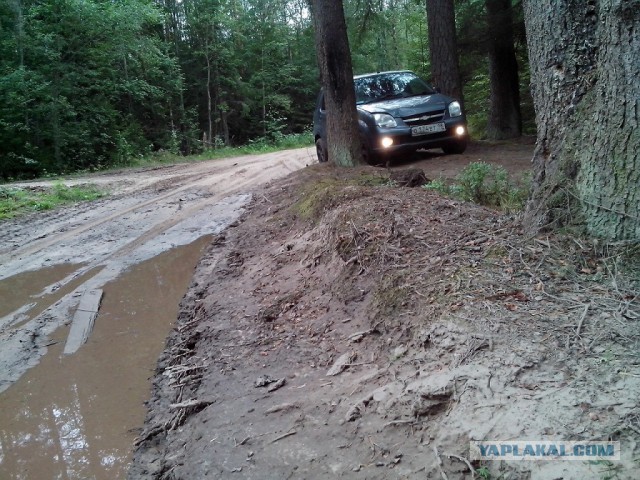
<point x="368" y="156"/>
<point x="455" y="148"/>
<point x="321" y="150"/>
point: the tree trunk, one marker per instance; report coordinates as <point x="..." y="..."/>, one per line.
<point x="443" y="47"/>
<point x="225" y="128"/>
<point x="344" y="147"/>
<point x="504" y="119"/>
<point x="209" y="107"/>
<point x="19" y="33"/>
<point x="585" y="73"/>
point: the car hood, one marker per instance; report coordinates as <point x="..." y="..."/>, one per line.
<point x="410" y="106"/>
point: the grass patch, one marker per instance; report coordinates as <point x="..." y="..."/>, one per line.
<point x="317" y="197"/>
<point x="485" y="184"/>
<point x="16" y="201"/>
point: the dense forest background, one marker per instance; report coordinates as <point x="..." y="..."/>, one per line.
<point x="87" y="84"/>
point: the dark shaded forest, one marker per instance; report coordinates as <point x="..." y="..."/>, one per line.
<point x="90" y="84"/>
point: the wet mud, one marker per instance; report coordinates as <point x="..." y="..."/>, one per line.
<point x="75" y="417"/>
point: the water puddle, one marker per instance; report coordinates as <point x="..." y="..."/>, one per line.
<point x="42" y="302"/>
<point x="75" y="417"/>
<point x="21" y="289"/>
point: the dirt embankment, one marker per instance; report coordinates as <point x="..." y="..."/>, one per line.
<point x="349" y="328"/>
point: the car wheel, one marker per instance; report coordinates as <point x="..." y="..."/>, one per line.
<point x="368" y="156"/>
<point x="321" y="150"/>
<point x="455" y="148"/>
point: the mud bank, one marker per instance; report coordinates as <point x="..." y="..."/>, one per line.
<point x="348" y="328"/>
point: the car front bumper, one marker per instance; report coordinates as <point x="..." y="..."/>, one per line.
<point x="404" y="142"/>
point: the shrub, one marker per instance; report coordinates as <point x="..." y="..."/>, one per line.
<point x="485" y="184"/>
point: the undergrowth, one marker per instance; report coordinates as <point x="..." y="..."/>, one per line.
<point x="255" y="147"/>
<point x="485" y="184"/>
<point x="15" y="201"/>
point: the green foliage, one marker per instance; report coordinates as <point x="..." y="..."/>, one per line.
<point x="476" y="95"/>
<point x="87" y="80"/>
<point x="484" y="473"/>
<point x="18" y="201"/>
<point x="88" y="84"/>
<point x="486" y="184"/>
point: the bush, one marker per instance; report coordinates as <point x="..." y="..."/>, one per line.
<point x="485" y="184"/>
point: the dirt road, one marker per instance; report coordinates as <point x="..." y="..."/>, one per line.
<point x="148" y="212"/>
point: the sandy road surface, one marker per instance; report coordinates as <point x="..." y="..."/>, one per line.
<point x="149" y="211"/>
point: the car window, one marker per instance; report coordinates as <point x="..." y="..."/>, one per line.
<point x="389" y="85"/>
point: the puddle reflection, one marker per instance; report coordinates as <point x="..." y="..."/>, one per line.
<point x="75" y="417"/>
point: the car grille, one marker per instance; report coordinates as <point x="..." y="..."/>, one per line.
<point x="425" y="118"/>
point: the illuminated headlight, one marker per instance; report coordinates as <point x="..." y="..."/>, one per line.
<point x="454" y="109"/>
<point x="384" y="120"/>
<point x="386" y="142"/>
<point x="460" y="130"/>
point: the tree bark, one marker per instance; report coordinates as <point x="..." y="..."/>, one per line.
<point x="504" y="120"/>
<point x="19" y="30"/>
<point x="209" y="141"/>
<point x="585" y="70"/>
<point x="443" y="47"/>
<point x="344" y="146"/>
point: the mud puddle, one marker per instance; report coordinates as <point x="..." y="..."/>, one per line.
<point x="21" y="289"/>
<point x="34" y="298"/>
<point x="75" y="417"/>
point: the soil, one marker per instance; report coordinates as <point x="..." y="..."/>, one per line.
<point x="351" y="328"/>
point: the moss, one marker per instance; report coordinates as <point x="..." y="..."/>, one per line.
<point x="317" y="197"/>
<point x="372" y="180"/>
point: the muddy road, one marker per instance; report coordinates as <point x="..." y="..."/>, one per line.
<point x="136" y="250"/>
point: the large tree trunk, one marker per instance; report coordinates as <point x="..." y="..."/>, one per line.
<point x="443" y="46"/>
<point x="504" y="120"/>
<point x="585" y="71"/>
<point x="344" y="146"/>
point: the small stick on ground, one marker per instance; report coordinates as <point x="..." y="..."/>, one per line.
<point x="581" y="322"/>
<point x="285" y="435"/>
<point x="241" y="442"/>
<point x="465" y="461"/>
<point x="191" y="404"/>
<point x="444" y="475"/>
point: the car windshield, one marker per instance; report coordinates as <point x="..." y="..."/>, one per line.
<point x="385" y="86"/>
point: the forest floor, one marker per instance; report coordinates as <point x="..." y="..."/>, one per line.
<point x="348" y="327"/>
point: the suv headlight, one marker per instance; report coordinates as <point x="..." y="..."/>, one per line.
<point x="384" y="120"/>
<point x="455" y="110"/>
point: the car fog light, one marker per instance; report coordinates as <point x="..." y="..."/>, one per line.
<point x="460" y="130"/>
<point x="387" y="142"/>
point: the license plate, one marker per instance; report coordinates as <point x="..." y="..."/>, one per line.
<point x="426" y="129"/>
